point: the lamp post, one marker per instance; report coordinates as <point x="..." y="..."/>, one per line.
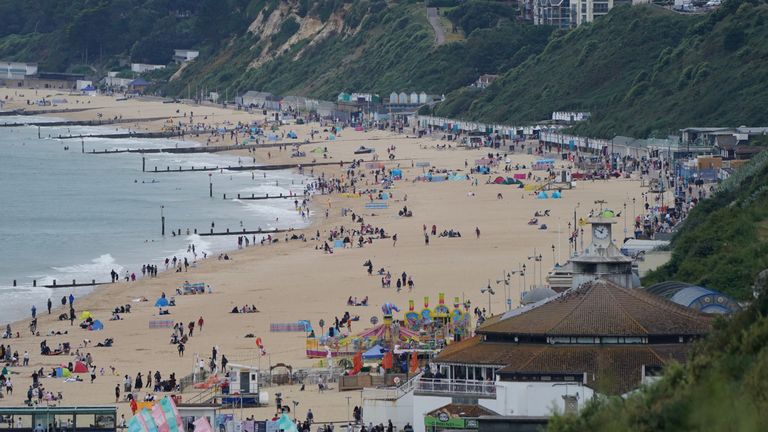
<point x="625" y="220"/>
<point x="490" y="292"/>
<point x="554" y="260"/>
<point x="349" y="421"/>
<point x="525" y="286"/>
<point x="295" y="403"/>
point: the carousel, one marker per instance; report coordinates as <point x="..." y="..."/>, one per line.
<point x="427" y="330"/>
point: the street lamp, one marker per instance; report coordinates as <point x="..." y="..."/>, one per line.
<point x="295" y="403"/>
<point x="554" y="260"/>
<point x="625" y="219"/>
<point x="525" y="286"/>
<point x="490" y="292"/>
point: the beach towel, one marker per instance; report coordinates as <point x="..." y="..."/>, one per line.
<point x="160" y="324"/>
<point x="287" y="327"/>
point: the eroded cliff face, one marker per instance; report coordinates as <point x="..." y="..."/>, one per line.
<point x="268" y="24"/>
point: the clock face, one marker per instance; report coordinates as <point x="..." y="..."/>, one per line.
<point x="601" y="232"/>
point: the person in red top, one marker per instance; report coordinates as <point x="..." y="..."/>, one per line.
<point x="134" y="406"/>
<point x="200" y="324"/>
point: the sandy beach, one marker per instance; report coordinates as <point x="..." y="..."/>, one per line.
<point x="295" y="281"/>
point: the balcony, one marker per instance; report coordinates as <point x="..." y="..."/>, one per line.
<point x="481" y="389"/>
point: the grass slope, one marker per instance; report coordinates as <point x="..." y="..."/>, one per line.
<point x="390" y="49"/>
<point x="642" y="71"/>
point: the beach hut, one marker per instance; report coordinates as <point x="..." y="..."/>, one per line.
<point x="402" y="98"/>
<point x="161" y="302"/>
<point x="393" y="98"/>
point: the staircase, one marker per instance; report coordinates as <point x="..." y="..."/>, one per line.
<point x="392" y="393"/>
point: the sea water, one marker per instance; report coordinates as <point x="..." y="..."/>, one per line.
<point x="66" y="215"/>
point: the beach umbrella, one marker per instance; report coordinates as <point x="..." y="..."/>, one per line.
<point x="161" y="302"/>
<point x="285" y="424"/>
<point x="85" y="315"/>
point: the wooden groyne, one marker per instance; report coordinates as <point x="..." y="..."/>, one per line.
<point x="253" y="197"/>
<point x="23" y="112"/>
<point x="74" y="284"/>
<point x="86" y="122"/>
<point x="243" y="232"/>
<point x="125" y="135"/>
<point x="240" y="167"/>
<point x="196" y="149"/>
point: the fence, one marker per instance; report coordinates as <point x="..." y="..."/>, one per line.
<point x="467" y="387"/>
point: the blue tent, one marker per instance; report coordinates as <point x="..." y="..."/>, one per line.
<point x="542" y="195"/>
<point x="161" y="302"/>
<point x="292" y="134"/>
<point x="556" y="194"/>
<point x="97" y="325"/>
<point x="397" y="174"/>
<point x="375" y="353"/>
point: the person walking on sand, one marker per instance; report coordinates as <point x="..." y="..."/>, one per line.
<point x="34" y="311"/>
<point x="117" y="393"/>
<point x="181" y="349"/>
<point x="50" y="304"/>
<point x="477" y="232"/>
<point x="394" y="240"/>
<point x="200" y="323"/>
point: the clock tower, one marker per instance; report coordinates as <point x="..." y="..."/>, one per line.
<point x="602" y="259"/>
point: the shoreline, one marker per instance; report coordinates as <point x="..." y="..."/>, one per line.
<point x="297" y="281"/>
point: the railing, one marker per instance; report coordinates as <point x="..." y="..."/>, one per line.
<point x="467" y="387"/>
<point x="391" y="393"/>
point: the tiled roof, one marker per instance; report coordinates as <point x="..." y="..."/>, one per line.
<point x="610" y="369"/>
<point x="601" y="308"/>
<point x="462" y="410"/>
<point x="477" y="351"/>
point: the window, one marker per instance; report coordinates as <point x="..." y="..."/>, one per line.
<point x="600" y="8"/>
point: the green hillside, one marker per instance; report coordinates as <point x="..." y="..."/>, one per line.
<point x="380" y="48"/>
<point x="724" y="387"/>
<point x="307" y="47"/>
<point x="642" y="71"/>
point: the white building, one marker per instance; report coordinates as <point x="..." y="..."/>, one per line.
<point x="143" y="67"/>
<point x="257" y="99"/>
<point x="550" y="356"/>
<point x="571" y="116"/>
<point x="185" y="55"/>
<point x="115" y="82"/>
<point x="16" y="70"/>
